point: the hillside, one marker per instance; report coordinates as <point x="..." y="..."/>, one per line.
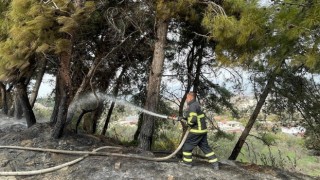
<point x="109" y="167"/>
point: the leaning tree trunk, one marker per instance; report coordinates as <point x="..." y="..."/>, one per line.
<point x="253" y="117"/>
<point x="39" y="77"/>
<point x="84" y="85"/>
<point x="81" y="116"/>
<point x="90" y="123"/>
<point x="153" y="89"/>
<point x="4" y="99"/>
<point x="137" y="133"/>
<point x="22" y="98"/>
<point x="115" y="94"/>
<point x="106" y="123"/>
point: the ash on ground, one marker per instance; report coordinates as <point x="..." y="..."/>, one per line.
<point x="108" y="167"/>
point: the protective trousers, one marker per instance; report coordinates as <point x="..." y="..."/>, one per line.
<point x="200" y="140"/>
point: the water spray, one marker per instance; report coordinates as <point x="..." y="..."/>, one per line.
<point x="90" y="99"/>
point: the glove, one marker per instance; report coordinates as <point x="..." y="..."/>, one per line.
<point x="173" y="117"/>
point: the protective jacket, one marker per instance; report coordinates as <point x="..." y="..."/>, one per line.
<point x="198" y="134"/>
<point x="196" y="118"/>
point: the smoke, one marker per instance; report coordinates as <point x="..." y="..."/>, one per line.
<point x="8" y="122"/>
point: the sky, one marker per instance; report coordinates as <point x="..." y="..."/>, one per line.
<point x="265" y="2"/>
<point x="46" y="86"/>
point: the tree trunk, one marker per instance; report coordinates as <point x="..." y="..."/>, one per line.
<point x="137" y="133"/>
<point x="86" y="80"/>
<point x="11" y="111"/>
<point x="191" y="80"/>
<point x="23" y="100"/>
<point x="4" y="100"/>
<point x="80" y="117"/>
<point x="83" y="86"/>
<point x="253" y="117"/>
<point x="106" y="123"/>
<point x="54" y="115"/>
<point x="96" y="115"/>
<point x="153" y="89"/>
<point x="39" y="76"/>
<point x="115" y="94"/>
<point x="196" y="81"/>
<point x="57" y="131"/>
<point x="17" y="105"/>
<point x="64" y="88"/>
<point x="190" y="64"/>
<point x="90" y="121"/>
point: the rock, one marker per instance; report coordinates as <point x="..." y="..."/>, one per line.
<point x="26" y="143"/>
<point x="228" y="162"/>
<point x="8" y="178"/>
<point x="117" y="165"/>
<point x="3" y="160"/>
<point x="170" y="177"/>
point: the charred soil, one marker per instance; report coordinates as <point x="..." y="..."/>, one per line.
<point x="109" y="167"/>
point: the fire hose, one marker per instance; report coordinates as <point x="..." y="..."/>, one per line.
<point x="86" y="154"/>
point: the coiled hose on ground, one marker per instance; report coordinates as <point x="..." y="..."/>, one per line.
<point x="86" y="154"/>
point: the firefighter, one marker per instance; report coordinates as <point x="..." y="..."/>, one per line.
<point x="198" y="133"/>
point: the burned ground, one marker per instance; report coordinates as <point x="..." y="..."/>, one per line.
<point x="109" y="167"/>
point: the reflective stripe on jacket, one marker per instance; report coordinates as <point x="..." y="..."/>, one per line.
<point x="196" y="118"/>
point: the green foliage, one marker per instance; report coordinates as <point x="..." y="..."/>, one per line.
<point x="312" y="58"/>
<point x="241" y="34"/>
<point x="300" y="95"/>
<point x="167" y="139"/>
<point x="43" y="48"/>
<point x="81" y="14"/>
<point x="249" y="31"/>
<point x="180" y="9"/>
<point x="293" y="157"/>
<point x="300" y="23"/>
<point x="39" y="24"/>
<point x="123" y="134"/>
<point x="41" y="113"/>
<point x="47" y="102"/>
<point x="37" y="27"/>
<point x="19" y="9"/>
<point x="222" y="27"/>
<point x="222" y="134"/>
<point x="62" y="45"/>
<point x="3" y="21"/>
<point x="269" y="139"/>
<point x="312" y="140"/>
<point x="68" y="24"/>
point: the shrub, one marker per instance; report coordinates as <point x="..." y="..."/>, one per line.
<point x="42" y="112"/>
<point x="122" y="133"/>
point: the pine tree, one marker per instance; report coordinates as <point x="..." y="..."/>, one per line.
<point x="265" y="40"/>
<point x="35" y="28"/>
<point x="183" y="10"/>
